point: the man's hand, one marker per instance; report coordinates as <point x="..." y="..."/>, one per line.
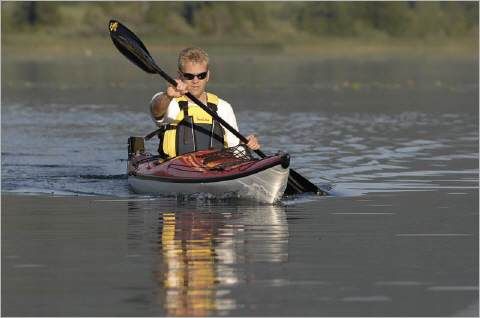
<point x="160" y="104"/>
<point x="180" y="90"/>
<point x="253" y="142"/>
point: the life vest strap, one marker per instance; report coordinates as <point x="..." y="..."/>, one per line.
<point x="183" y="104"/>
<point x="212" y="103"/>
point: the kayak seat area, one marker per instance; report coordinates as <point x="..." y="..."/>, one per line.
<point x="228" y="157"/>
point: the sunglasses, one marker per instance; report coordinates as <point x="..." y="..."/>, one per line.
<point x="190" y="76"/>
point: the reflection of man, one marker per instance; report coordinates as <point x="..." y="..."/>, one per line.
<point x="201" y="254"/>
<point x="188" y="127"/>
<point x="188" y="273"/>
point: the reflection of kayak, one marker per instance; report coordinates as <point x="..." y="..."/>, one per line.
<point x="226" y="173"/>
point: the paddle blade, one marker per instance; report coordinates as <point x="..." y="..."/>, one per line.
<point x="131" y="47"/>
<point x="298" y="184"/>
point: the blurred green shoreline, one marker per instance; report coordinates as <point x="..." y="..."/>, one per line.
<point x="60" y="29"/>
<point x="42" y="46"/>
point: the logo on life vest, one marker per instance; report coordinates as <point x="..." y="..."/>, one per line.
<point x="202" y="120"/>
<point x="113" y="26"/>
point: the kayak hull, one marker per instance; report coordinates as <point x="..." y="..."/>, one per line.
<point x="259" y="180"/>
<point x="266" y="186"/>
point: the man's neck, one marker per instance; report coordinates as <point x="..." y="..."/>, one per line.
<point x="202" y="98"/>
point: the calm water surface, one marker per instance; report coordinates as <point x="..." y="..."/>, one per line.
<point x="398" y="139"/>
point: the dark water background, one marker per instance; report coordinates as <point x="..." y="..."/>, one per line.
<point x="396" y="136"/>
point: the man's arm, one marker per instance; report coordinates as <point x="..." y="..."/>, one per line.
<point x="159" y="105"/>
<point x="227" y="114"/>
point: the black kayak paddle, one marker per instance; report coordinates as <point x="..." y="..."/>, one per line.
<point x="133" y="49"/>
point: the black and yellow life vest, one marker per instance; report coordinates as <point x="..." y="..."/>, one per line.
<point x="193" y="129"/>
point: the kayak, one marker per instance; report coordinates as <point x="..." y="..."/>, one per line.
<point x="227" y="173"/>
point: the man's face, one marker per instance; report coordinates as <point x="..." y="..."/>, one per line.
<point x="196" y="85"/>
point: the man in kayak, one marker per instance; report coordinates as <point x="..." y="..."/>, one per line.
<point x="187" y="127"/>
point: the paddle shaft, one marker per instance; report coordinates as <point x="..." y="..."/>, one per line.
<point x="296" y="183"/>
<point x="293" y="177"/>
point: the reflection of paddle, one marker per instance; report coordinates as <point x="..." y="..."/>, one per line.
<point x="130" y="45"/>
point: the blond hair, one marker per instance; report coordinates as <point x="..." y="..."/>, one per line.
<point x="192" y="54"/>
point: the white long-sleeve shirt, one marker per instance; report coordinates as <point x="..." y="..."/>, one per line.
<point x="224" y="111"/>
